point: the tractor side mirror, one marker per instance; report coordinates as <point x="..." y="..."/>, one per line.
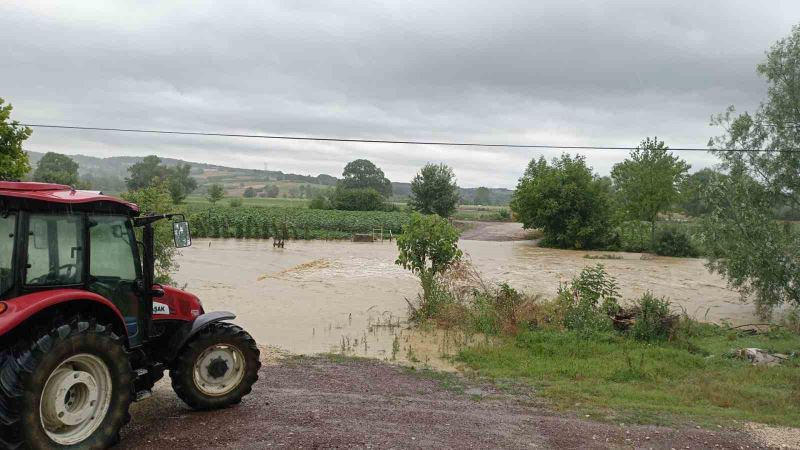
<point x="180" y="231"/>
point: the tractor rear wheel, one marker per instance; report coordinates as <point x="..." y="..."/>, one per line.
<point x="216" y="368"/>
<point x="69" y="388"/>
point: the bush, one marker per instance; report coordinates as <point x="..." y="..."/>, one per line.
<point x="633" y="236"/>
<point x="654" y="320"/>
<point x="672" y="241"/>
<point x="249" y="193"/>
<point x="235" y="202"/>
<point x="366" y="199"/>
<point x="589" y="301"/>
<point x="320" y="201"/>
<point x="566" y="201"/>
<point x="428" y="247"/>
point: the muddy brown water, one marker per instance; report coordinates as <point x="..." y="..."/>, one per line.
<point x="316" y="296"/>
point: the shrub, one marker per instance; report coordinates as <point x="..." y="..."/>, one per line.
<point x="672" y="241"/>
<point x="428" y="246"/>
<point x="365" y="199"/>
<point x="503" y="214"/>
<point x="589" y="301"/>
<point x="633" y="236"/>
<point x="566" y="201"/>
<point x="654" y="320"/>
<point x="235" y="202"/>
<point x="249" y="193"/>
<point x="320" y="201"/>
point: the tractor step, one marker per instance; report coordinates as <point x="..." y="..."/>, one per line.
<point x="142" y="395"/>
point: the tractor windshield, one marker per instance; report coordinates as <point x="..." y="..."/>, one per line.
<point x="8" y="225"/>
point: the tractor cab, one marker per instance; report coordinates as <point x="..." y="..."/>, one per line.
<point x="61" y="238"/>
<point x="84" y="327"/>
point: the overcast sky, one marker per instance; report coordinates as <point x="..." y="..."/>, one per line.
<point x="538" y="72"/>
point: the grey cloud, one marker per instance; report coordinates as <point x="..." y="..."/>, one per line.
<point x="558" y="72"/>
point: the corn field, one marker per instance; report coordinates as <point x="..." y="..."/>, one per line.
<point x="291" y="223"/>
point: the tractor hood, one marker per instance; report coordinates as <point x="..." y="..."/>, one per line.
<point x="59" y="193"/>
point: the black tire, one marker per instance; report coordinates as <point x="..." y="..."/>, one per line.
<point x="182" y="370"/>
<point x="25" y="371"/>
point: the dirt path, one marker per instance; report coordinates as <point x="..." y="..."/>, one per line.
<point x="324" y="403"/>
<point x="493" y="231"/>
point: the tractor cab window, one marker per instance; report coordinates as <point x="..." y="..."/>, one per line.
<point x="7" y="229"/>
<point x="113" y="270"/>
<point x="55" y="250"/>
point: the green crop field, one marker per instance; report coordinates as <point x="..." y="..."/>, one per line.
<point x="296" y="223"/>
<point x="195" y="201"/>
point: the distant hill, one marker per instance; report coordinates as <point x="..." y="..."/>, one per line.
<point x="108" y="174"/>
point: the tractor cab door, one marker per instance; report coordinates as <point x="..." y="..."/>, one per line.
<point x="115" y="271"/>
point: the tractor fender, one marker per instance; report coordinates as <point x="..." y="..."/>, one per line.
<point x="189" y="329"/>
<point x="24" y="307"/>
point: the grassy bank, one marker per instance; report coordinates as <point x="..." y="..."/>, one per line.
<point x="628" y="360"/>
<point x="624" y="380"/>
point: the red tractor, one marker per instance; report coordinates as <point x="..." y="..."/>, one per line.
<point x="84" y="328"/>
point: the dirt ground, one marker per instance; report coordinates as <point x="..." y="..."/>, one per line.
<point x="317" y="402"/>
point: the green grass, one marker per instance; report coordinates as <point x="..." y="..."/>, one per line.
<point x="623" y="380"/>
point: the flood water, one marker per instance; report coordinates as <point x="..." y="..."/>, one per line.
<point x="318" y="296"/>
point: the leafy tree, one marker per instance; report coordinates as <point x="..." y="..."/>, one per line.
<point x="483" y="196"/>
<point x="215" y="193"/>
<point x="363" y="174"/>
<point x="322" y="200"/>
<point x="146" y="172"/>
<point x="363" y="199"/>
<point x="271" y="190"/>
<point x="180" y="182"/>
<point x="758" y="255"/>
<point x="249" y="192"/>
<point x="156" y="199"/>
<point x="434" y="190"/>
<point x="56" y="168"/>
<point x="647" y="182"/>
<point x="566" y="201"/>
<point x="13" y="159"/>
<point x="693" y="192"/>
<point x="428" y="246"/>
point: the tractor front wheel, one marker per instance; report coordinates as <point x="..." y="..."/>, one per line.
<point x="216" y="368"/>
<point x="69" y="388"/>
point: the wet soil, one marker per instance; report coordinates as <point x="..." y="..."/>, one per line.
<point x="315" y="402"/>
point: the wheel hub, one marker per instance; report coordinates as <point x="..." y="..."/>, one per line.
<point x="219" y="369"/>
<point x="75" y="399"/>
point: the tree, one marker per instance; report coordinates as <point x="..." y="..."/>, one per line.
<point x="434" y="190"/>
<point x="363" y="199"/>
<point x="693" y="191"/>
<point x="647" y="181"/>
<point x="215" y="193"/>
<point x="363" y="174"/>
<point x="180" y="182"/>
<point x="744" y="242"/>
<point x="271" y="190"/>
<point x="483" y="196"/>
<point x="146" y="172"/>
<point x="56" y="168"/>
<point x="428" y="246"/>
<point x="566" y="201"/>
<point x="249" y="192"/>
<point x="156" y="199"/>
<point x="13" y="159"/>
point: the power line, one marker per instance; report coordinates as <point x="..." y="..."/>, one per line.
<point x="383" y="141"/>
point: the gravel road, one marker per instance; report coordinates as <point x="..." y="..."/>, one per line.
<point x="317" y="402"/>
